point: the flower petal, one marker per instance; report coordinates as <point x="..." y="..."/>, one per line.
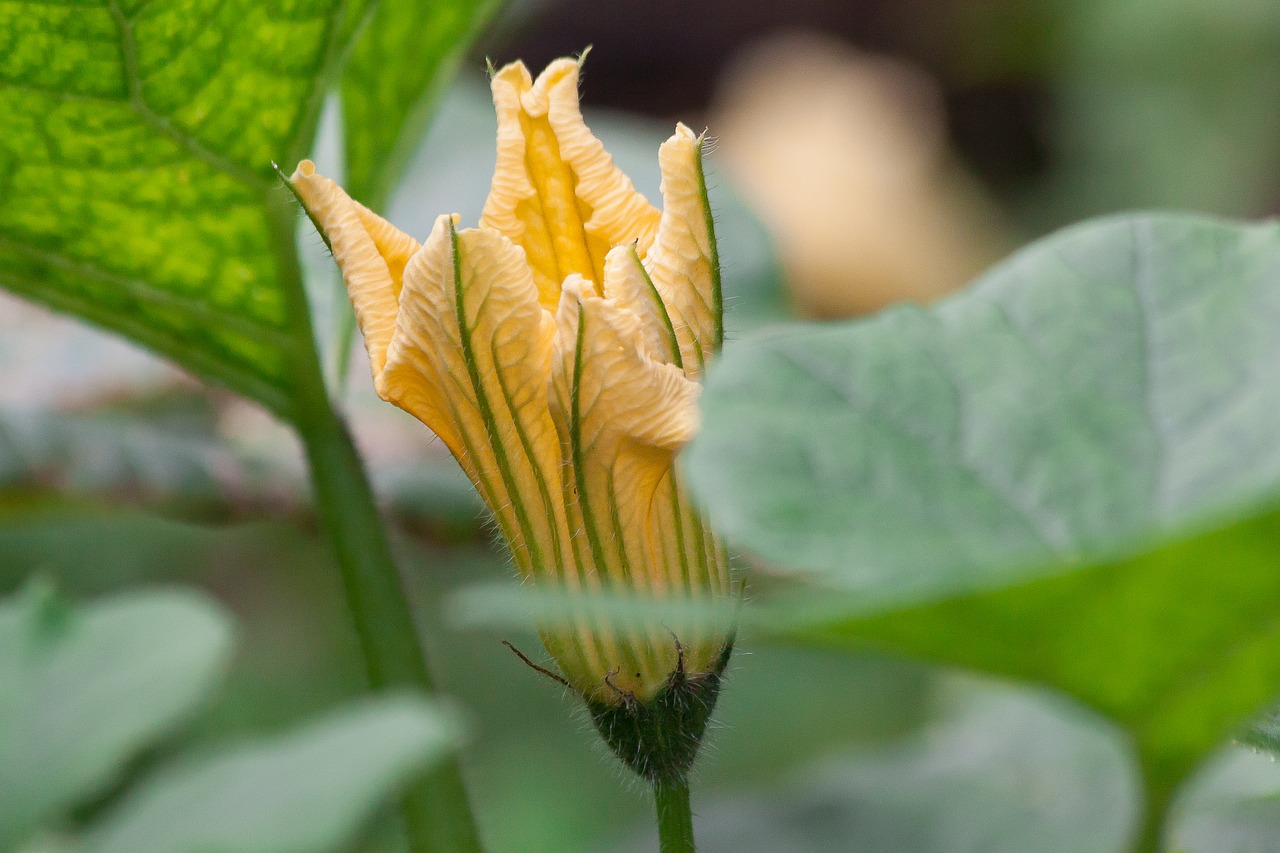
<point x="627" y="282"/>
<point x="470" y="358"/>
<point x="695" y="562"/>
<point x="622" y="416"/>
<point x="684" y="263"/>
<point x="370" y="251"/>
<point x="556" y="192"/>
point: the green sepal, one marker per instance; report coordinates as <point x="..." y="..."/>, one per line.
<point x="659" y="739"/>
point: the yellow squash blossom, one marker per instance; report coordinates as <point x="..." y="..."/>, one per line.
<point x="556" y="349"/>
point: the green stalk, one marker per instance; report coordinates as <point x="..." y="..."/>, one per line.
<point x="437" y="815"/>
<point x="1151" y="833"/>
<point x="675" y="818"/>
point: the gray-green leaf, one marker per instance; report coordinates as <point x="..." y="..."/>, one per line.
<point x="83" y="689"/>
<point x="1105" y="387"/>
<point x="305" y="792"/>
<point x="1088" y="405"/>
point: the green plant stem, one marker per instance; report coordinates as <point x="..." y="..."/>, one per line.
<point x="675" y="818"/>
<point x="1160" y="787"/>
<point x="436" y="812"/>
<point x="1150" y="834"/>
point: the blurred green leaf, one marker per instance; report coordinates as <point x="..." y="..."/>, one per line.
<point x="1233" y="807"/>
<point x="1159" y="103"/>
<point x="172" y="452"/>
<point x="398" y="67"/>
<point x="83" y="689"/>
<point x="999" y="771"/>
<point x="1104" y="387"/>
<point x="1264" y="734"/>
<point x="305" y="792"/>
<point x="118" y="454"/>
<point x="1177" y="645"/>
<point x="1107" y="390"/>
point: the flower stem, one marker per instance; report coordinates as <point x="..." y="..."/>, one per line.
<point x="1151" y="832"/>
<point x="675" y="818"/>
<point x="436" y="813"/>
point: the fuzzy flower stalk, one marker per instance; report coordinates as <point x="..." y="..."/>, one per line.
<point x="557" y="350"/>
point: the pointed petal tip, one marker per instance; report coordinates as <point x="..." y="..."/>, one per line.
<point x="621" y="254"/>
<point x="683" y="133"/>
<point x="559" y="80"/>
<point x="684" y="141"/>
<point x="514" y="77"/>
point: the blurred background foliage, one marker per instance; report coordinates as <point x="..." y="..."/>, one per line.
<point x="869" y="151"/>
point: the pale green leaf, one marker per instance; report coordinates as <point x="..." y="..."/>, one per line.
<point x="83" y="689"/>
<point x="1089" y="404"/>
<point x="1105" y="387"/>
<point x="308" y="791"/>
<point x="1232" y="807"/>
<point x="998" y="771"/>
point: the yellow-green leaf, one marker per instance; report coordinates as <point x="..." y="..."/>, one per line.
<point x="137" y="148"/>
<point x="136" y="151"/>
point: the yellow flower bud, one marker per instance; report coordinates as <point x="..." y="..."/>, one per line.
<point x="556" y="349"/>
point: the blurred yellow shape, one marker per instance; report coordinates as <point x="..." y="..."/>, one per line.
<point x="843" y="155"/>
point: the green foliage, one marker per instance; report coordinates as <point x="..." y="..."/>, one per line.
<point x="137" y="166"/>
<point x="1234" y="807"/>
<point x="1106" y="392"/>
<point x="998" y="771"/>
<point x="117" y="453"/>
<point x="85" y="689"/>
<point x="138" y="192"/>
<point x="137" y="187"/>
<point x="306" y="790"/>
<point x="1147" y="122"/>
<point x="387" y="103"/>
<point x="1043" y="478"/>
<point x="540" y="766"/>
<point x="1178" y="645"/>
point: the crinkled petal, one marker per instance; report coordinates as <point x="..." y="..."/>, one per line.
<point x="627" y="282"/>
<point x="370" y="251"/>
<point x="683" y="262"/>
<point x="622" y="416"/>
<point x="470" y="358"/>
<point x="556" y="192"/>
<point x="694" y="560"/>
